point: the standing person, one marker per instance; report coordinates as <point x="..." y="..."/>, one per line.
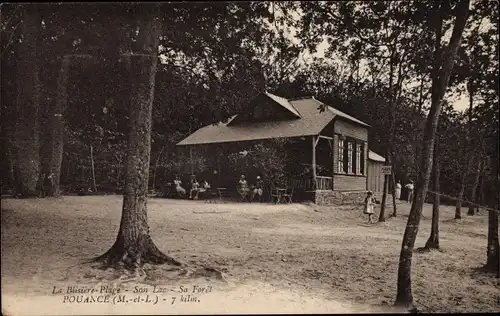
<point x="369" y="203"/>
<point x="398" y="191"/>
<point x="410" y="188"/>
<point x="178" y="186"/>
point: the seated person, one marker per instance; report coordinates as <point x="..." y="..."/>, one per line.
<point x="178" y="186"/>
<point x="195" y="186"/>
<point x="204" y="187"/>
<point x="243" y="186"/>
<point x="258" y="188"/>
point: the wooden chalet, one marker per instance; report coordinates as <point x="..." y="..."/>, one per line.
<point x="331" y="145"/>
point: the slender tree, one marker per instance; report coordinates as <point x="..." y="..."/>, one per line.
<point x="404" y="292"/>
<point x="433" y="241"/>
<point x="473" y="190"/>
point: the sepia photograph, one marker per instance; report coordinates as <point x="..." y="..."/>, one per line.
<point x="249" y="157"/>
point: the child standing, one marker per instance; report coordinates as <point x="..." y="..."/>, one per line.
<point x="369" y="203"/>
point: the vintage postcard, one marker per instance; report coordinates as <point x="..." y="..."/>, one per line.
<point x="253" y="157"/>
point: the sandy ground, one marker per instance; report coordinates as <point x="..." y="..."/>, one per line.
<point x="275" y="258"/>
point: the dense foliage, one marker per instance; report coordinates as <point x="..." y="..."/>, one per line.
<point x="215" y="58"/>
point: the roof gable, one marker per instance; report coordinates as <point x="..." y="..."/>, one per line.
<point x="284" y="103"/>
<point x="266" y="107"/>
<point x="313" y="101"/>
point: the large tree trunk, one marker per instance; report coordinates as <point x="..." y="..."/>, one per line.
<point x="433" y="241"/>
<point x="56" y="123"/>
<point x="492" y="259"/>
<point x="472" y="198"/>
<point x="133" y="246"/>
<point x="493" y="251"/>
<point x="440" y="82"/>
<point x="26" y="132"/>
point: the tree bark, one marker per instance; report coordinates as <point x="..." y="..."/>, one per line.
<point x="133" y="246"/>
<point x="458" y="205"/>
<point x="493" y="251"/>
<point x="472" y="198"/>
<point x="381" y="216"/>
<point x="480" y="192"/>
<point x="26" y="131"/>
<point x="404" y="292"/>
<point x="433" y="241"/>
<point x="56" y="124"/>
<point x="92" y="169"/>
<point x="12" y="178"/>
<point x="394" y="210"/>
<point x="492" y="257"/>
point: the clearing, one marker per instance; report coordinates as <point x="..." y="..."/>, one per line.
<point x="293" y="258"/>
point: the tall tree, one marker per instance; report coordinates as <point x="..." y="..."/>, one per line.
<point x="433" y="241"/>
<point x="57" y="129"/>
<point x="475" y="55"/>
<point x="26" y="136"/>
<point x="133" y="246"/>
<point x="404" y="292"/>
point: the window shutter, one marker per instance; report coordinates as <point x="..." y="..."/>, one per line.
<point x="354" y="157"/>
<point x="346" y="155"/>
<point x="362" y="160"/>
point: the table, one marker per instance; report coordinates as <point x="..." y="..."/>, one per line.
<point x="221" y="192"/>
<point x="280" y="192"/>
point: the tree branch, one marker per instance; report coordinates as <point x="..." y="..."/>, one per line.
<point x="356" y="31"/>
<point x="10" y="38"/>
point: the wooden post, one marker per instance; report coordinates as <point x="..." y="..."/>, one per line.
<point x="314" y="160"/>
<point x="92" y="164"/>
<point x="191" y="159"/>
<point x="365" y="163"/>
<point x="156" y="166"/>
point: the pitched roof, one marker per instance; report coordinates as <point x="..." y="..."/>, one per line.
<point x="310" y="122"/>
<point x="375" y="157"/>
<point x="284" y="103"/>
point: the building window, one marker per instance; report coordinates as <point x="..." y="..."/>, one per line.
<point x="340" y="158"/>
<point x="358" y="159"/>
<point x="349" y="157"/>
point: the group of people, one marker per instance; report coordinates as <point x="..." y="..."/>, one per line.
<point x="195" y="187"/>
<point x="243" y="189"/>
<point x="253" y="191"/>
<point x="409" y="186"/>
<point x="370" y="200"/>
